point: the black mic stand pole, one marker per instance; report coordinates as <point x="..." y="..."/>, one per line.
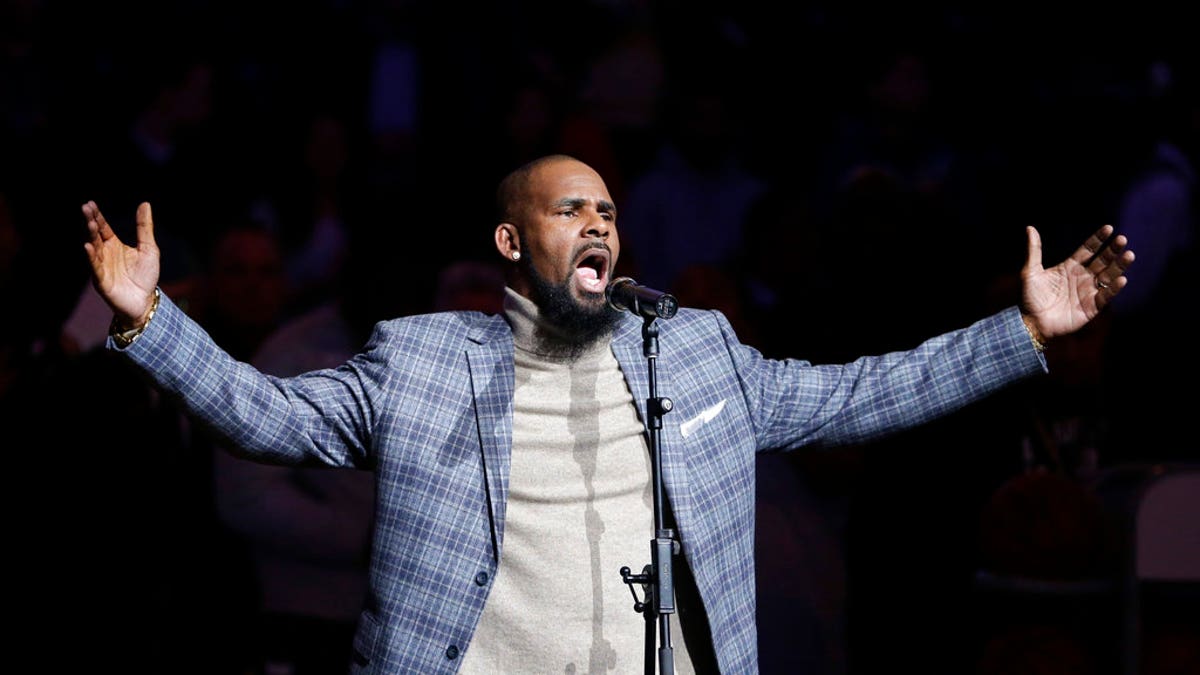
<point x="657" y="578"/>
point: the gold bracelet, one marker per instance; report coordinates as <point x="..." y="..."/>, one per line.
<point x="1034" y="333"/>
<point x="124" y="338"/>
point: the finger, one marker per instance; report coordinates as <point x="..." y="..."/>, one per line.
<point x="1113" y="274"/>
<point x="103" y="230"/>
<point x="1109" y="265"/>
<point x="1033" y="259"/>
<point x="1118" y="256"/>
<point x="1106" y="290"/>
<point x="94" y="237"/>
<point x="145" y="224"/>
<point x="1094" y="246"/>
<point x="91" y="245"/>
<point x="1107" y="255"/>
<point x="1125" y="261"/>
<point x="89" y="216"/>
<point x="89" y="220"/>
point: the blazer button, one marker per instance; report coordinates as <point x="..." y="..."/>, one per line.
<point x="452" y="652"/>
<point x="481" y="579"/>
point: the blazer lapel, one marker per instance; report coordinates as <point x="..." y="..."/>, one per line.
<point x="490" y="362"/>
<point x="628" y="348"/>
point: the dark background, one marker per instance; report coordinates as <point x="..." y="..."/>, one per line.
<point x="904" y="149"/>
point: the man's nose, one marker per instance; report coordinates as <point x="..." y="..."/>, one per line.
<point x="598" y="226"/>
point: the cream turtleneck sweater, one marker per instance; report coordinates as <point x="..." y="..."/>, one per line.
<point x="580" y="507"/>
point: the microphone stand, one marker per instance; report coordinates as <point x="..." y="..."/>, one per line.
<point x="657" y="578"/>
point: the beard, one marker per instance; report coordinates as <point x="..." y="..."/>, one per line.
<point x="574" y="326"/>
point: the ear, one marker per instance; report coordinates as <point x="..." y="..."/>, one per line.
<point x="507" y="240"/>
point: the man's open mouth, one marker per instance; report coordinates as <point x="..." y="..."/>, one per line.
<point x="591" y="269"/>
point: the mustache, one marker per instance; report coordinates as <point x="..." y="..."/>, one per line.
<point x="591" y="246"/>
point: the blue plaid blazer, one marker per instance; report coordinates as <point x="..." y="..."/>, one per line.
<point x="427" y="405"/>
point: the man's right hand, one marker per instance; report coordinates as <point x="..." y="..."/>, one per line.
<point x="124" y="276"/>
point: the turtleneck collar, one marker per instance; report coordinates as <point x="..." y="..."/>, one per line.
<point x="529" y="329"/>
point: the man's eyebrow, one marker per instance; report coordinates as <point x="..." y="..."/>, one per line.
<point x="570" y="202"/>
<point x="603" y="206"/>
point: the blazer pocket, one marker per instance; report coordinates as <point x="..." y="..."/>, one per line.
<point x="693" y="424"/>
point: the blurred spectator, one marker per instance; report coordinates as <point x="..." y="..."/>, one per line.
<point x="311" y="203"/>
<point x="1152" y="329"/>
<point x="23" y="72"/>
<point x="172" y="148"/>
<point x="887" y="174"/>
<point x="782" y="273"/>
<point x="242" y="295"/>
<point x="691" y="203"/>
<point x="1158" y="207"/>
<point x="621" y="95"/>
<point x="128" y="535"/>
<point x="143" y="541"/>
<point x="395" y="98"/>
<point x="470" y="284"/>
<point x="800" y="567"/>
<point x="800" y="515"/>
<point x="708" y="286"/>
<point x="240" y="299"/>
<point x="307" y="529"/>
<point x="894" y="128"/>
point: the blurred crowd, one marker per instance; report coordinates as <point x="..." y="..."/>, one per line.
<point x="837" y="182"/>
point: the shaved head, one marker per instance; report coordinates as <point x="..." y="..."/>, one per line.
<point x="512" y="193"/>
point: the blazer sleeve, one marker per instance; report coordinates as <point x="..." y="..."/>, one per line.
<point x="794" y="403"/>
<point x="322" y="417"/>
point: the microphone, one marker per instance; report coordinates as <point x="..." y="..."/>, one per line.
<point x="624" y="294"/>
